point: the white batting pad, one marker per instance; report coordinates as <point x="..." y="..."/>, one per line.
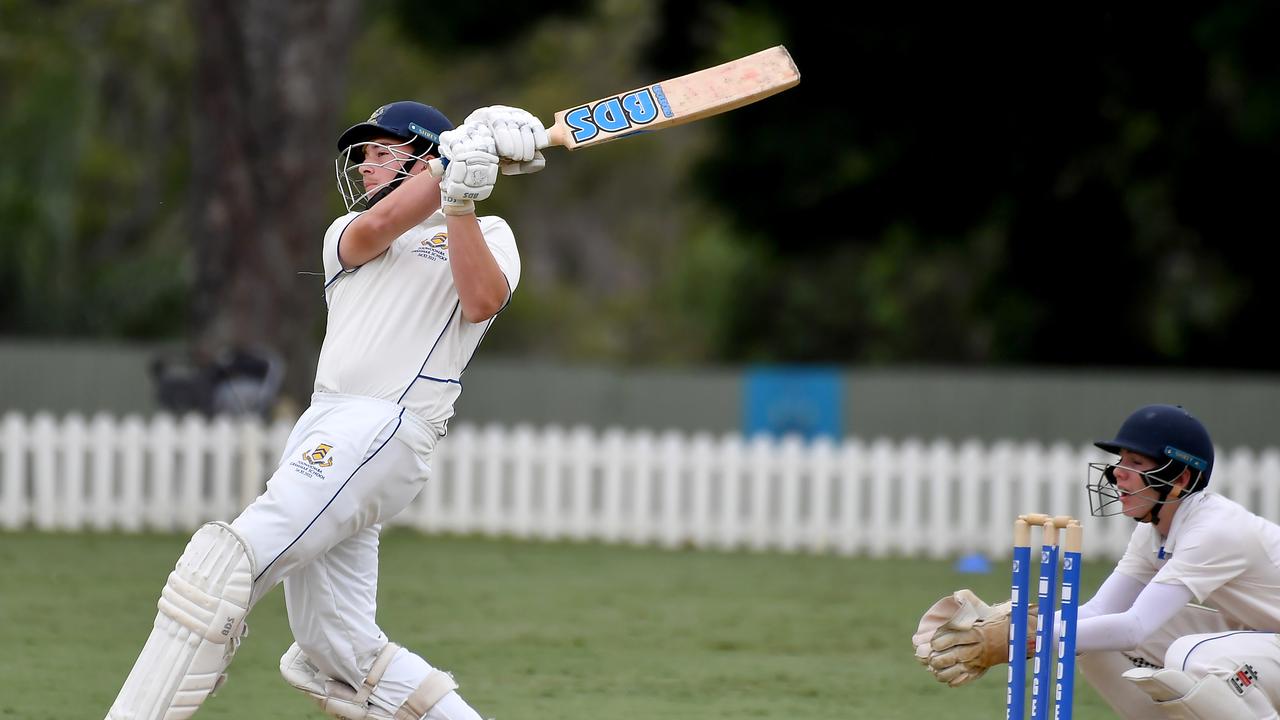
<point x="1182" y="697"/>
<point x="197" y="629"/>
<point x="335" y="697"/>
<point x="342" y="701"/>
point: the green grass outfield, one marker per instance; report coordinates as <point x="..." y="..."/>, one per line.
<point x="530" y="630"/>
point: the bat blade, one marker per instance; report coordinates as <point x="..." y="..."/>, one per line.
<point x="671" y="102"/>
<point x="676" y="101"/>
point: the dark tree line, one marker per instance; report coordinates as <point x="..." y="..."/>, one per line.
<point x="959" y="187"/>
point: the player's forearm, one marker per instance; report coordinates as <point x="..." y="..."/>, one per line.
<point x="369" y="235"/>
<point x="1116" y="595"/>
<point x="1155" y="606"/>
<point x="482" y="287"/>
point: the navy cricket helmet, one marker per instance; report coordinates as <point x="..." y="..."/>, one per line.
<point x="1166" y="431"/>
<point x="405" y="119"/>
<point x="417" y="126"/>
<point x="1160" y="432"/>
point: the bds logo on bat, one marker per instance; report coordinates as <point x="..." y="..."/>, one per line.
<point x="618" y="114"/>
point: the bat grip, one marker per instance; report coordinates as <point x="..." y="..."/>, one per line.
<point x="436" y="166"/>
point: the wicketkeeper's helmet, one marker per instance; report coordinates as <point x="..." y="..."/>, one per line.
<point x="1165" y="432"/>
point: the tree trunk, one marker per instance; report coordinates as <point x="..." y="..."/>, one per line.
<point x="269" y="81"/>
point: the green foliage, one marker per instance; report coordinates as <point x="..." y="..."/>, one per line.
<point x="946" y="189"/>
<point x="531" y="630"/>
<point x="1118" y="158"/>
<point x="91" y="192"/>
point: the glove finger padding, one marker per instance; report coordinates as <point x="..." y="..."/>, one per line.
<point x="518" y="136"/>
<point x="960" y="655"/>
<point x="472" y="168"/>
<point x="511" y="167"/>
<point x="957" y="675"/>
<point x="960" y="609"/>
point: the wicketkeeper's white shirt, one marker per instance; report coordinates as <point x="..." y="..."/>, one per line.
<point x="395" y="327"/>
<point x="1228" y="557"/>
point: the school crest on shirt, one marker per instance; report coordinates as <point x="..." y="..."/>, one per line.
<point x="435" y="247"/>
<point x="314" y="461"/>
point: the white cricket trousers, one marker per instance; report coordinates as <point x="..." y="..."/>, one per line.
<point x="1199" y="642"/>
<point x="351" y="463"/>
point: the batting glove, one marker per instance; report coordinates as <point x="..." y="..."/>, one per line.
<point x="472" y="168"/>
<point x="519" y="137"/>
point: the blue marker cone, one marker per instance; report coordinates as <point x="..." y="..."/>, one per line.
<point x="973" y="564"/>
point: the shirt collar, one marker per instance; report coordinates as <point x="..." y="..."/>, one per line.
<point x="1163" y="547"/>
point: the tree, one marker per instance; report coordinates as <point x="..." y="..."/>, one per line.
<point x="269" y="80"/>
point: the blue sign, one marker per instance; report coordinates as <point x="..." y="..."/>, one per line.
<point x="786" y="400"/>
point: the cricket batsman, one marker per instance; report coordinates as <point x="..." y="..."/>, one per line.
<point x="1186" y="624"/>
<point x="413" y="280"/>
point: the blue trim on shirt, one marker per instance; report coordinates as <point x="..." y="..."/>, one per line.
<point x="440" y="380"/>
<point x="423" y="366"/>
<point x="337" y="252"/>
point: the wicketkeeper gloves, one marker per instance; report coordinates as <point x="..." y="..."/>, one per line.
<point x="960" y="637"/>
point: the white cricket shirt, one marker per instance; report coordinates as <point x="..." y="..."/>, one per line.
<point x="395" y="329"/>
<point x="1228" y="557"/>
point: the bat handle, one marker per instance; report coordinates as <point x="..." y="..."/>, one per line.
<point x="436" y="166"/>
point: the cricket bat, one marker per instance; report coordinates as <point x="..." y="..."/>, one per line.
<point x="671" y="102"/>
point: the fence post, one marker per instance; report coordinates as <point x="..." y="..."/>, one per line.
<point x="582" y="463"/>
<point x="792" y="481"/>
<point x="940" y="468"/>
<point x="190" y="507"/>
<point x="44" y="456"/>
<point x="520" y="524"/>
<point x="251" y="465"/>
<point x="13" y="472"/>
<point x="549" y="454"/>
<point x="903" y="528"/>
<point x="1269" y="477"/>
<point x="221" y="440"/>
<point x="852" y="473"/>
<point x="672" y="464"/>
<point x="881" y="464"/>
<point x="74" y="439"/>
<point x="462" y="515"/>
<point x="104" y="436"/>
<point x="493" y="459"/>
<point x="965" y="533"/>
<point x="817" y="538"/>
<point x="700" y="489"/>
<point x="732" y="454"/>
<point x="163" y="446"/>
<point x="639" y="524"/>
<point x="760" y="476"/>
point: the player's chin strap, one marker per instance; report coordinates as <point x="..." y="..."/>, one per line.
<point x="342" y="701"/>
<point x="1169" y="492"/>
<point x="1153" y="515"/>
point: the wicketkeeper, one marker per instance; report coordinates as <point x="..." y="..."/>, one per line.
<point x="1148" y="641"/>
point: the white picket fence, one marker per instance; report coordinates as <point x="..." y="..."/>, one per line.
<point x="879" y="498"/>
